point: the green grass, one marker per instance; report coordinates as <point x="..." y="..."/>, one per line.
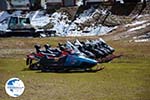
<point x="126" y="78"/>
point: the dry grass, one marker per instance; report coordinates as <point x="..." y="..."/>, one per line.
<point x="127" y="78"/>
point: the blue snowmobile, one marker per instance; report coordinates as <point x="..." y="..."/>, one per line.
<point x="69" y="62"/>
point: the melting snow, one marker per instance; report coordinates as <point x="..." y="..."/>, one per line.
<point x="38" y="19"/>
<point x="79" y="3"/>
<point x="142" y="40"/>
<point x="74" y="29"/>
<point x="139" y="27"/>
<point x="40" y="22"/>
<point x="61" y="22"/>
<point x="136" y="23"/>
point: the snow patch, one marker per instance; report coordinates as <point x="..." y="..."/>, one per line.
<point x="40" y="22"/>
<point x="75" y="28"/>
<point x="79" y="3"/>
<point x="139" y="27"/>
<point x="61" y="23"/>
<point x="136" y="23"/>
<point x="140" y="16"/>
<point x="39" y="19"/>
<point x="67" y="28"/>
<point x="142" y="40"/>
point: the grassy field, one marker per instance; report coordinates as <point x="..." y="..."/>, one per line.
<point x="125" y="78"/>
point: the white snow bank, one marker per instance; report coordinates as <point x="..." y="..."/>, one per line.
<point x="75" y="30"/>
<point x="40" y="22"/>
<point x="87" y="14"/>
<point x="39" y="19"/>
<point x="61" y="23"/>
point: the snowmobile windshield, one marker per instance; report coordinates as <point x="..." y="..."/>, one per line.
<point x="23" y="21"/>
<point x="13" y="21"/>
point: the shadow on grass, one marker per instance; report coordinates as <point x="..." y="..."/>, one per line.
<point x="60" y="71"/>
<point x="67" y="72"/>
<point x="27" y="69"/>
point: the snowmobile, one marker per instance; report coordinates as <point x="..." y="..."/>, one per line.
<point x="67" y="63"/>
<point x="71" y="56"/>
<point x="38" y="56"/>
<point x="94" y="49"/>
<point x="60" y="60"/>
<point x="20" y="26"/>
<point x="97" y="50"/>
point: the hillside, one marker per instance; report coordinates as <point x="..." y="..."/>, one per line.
<point x="90" y="21"/>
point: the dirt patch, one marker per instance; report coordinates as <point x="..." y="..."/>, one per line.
<point x="14" y="53"/>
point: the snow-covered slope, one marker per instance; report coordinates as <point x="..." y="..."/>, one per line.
<point x="39" y="19"/>
<point x="87" y="23"/>
<point x="66" y="27"/>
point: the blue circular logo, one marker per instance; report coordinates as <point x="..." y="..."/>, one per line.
<point x="14" y="87"/>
